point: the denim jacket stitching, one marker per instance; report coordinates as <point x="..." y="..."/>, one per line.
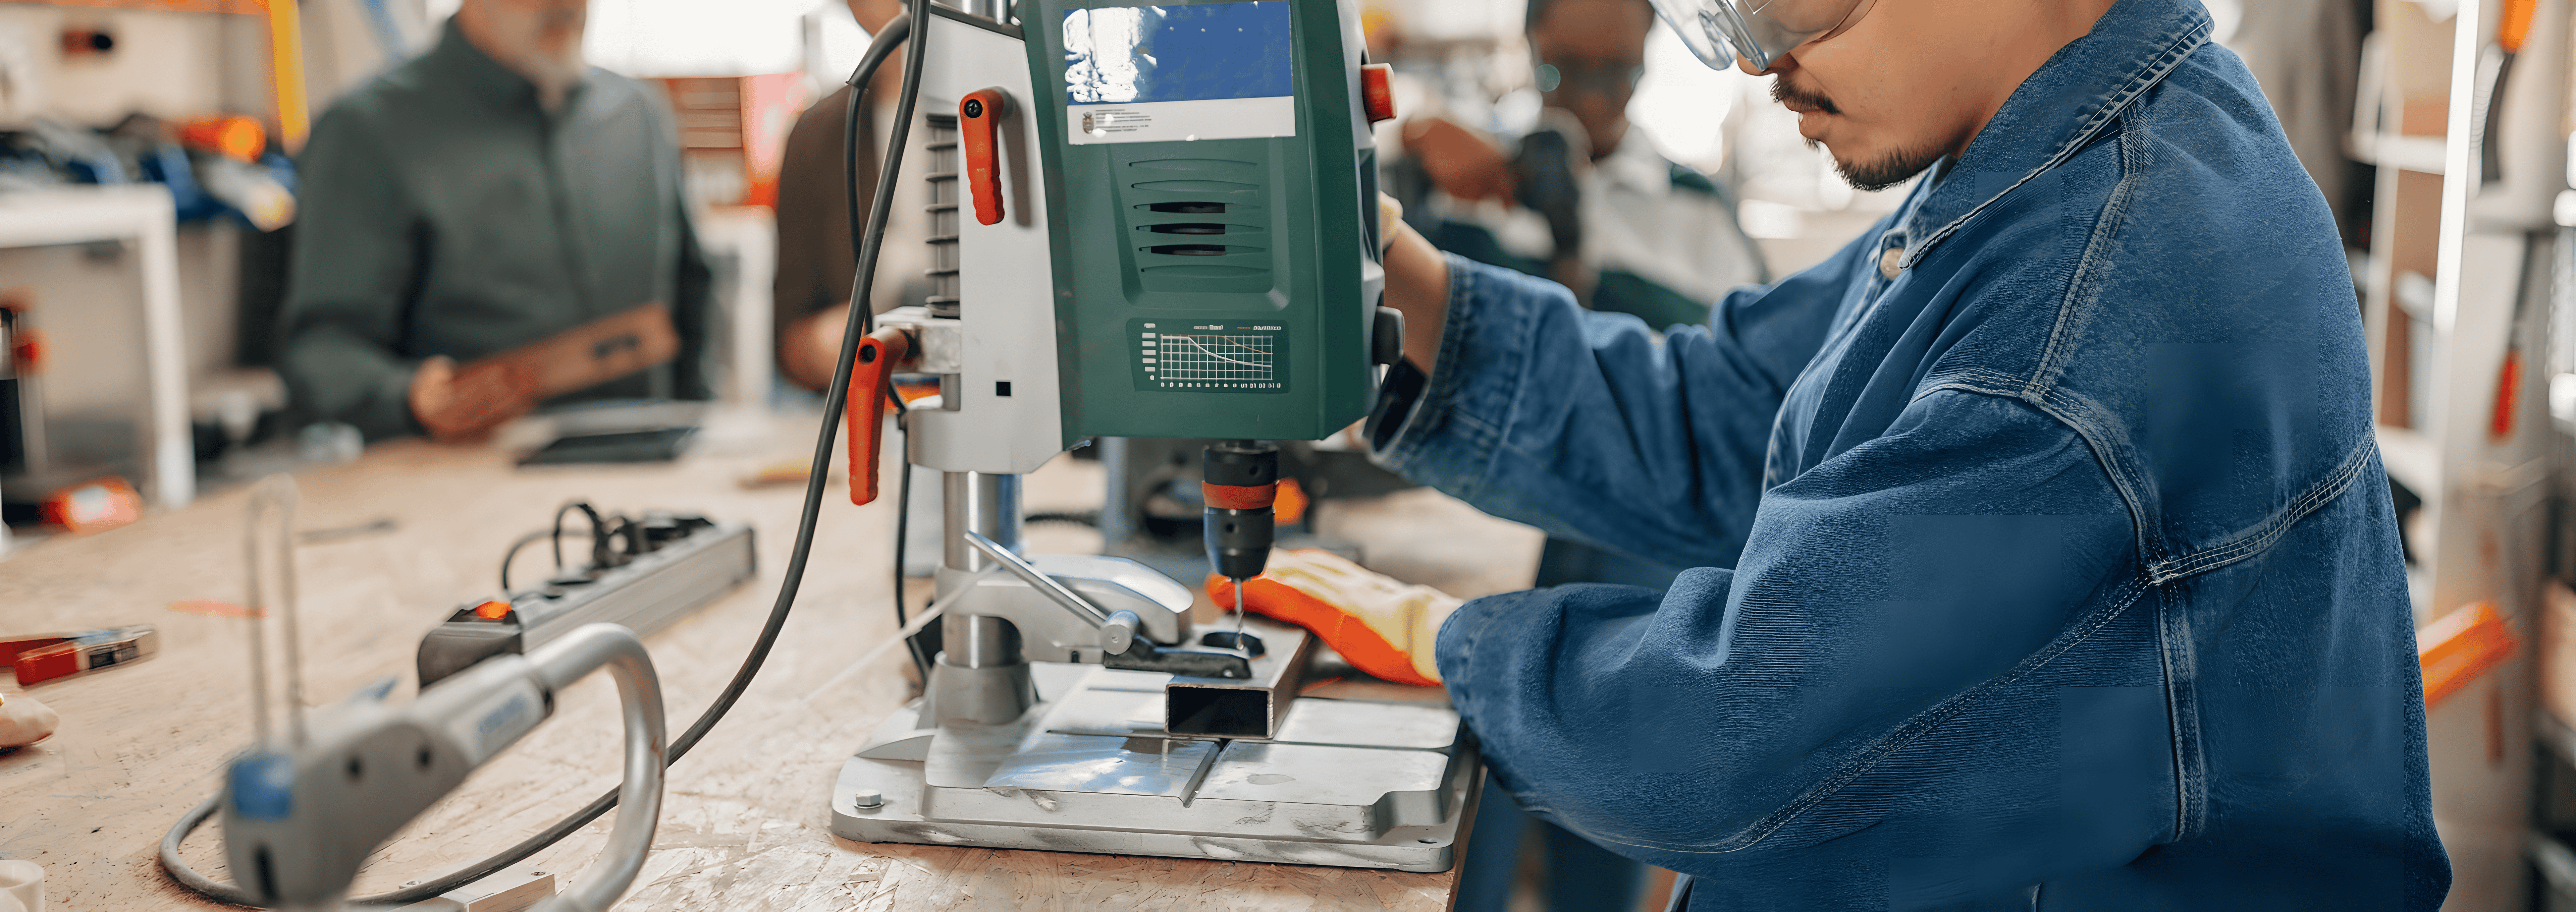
<point x="2179" y="47"/>
<point x="2108" y="440"/>
<point x="2259" y="537"/>
<point x="2085" y="289"/>
<point x="2181" y="667"/>
<point x="2172" y="629"/>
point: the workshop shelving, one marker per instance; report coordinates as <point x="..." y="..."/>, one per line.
<point x="2459" y="272"/>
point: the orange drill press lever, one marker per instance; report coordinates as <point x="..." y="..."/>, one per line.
<point x="879" y="352"/>
<point x="977" y="114"/>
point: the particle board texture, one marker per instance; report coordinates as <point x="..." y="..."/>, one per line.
<point x="744" y="824"/>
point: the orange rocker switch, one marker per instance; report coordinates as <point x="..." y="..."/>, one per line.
<point x="976" y="116"/>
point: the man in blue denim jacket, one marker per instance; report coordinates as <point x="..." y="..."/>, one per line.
<point x="2064" y="572"/>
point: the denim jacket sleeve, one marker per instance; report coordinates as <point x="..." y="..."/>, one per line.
<point x="1896" y="616"/>
<point x="1868" y="674"/>
<point x="1589" y="426"/>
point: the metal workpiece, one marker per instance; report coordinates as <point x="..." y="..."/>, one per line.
<point x="1253" y="707"/>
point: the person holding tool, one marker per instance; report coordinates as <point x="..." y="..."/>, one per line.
<point x="1582" y="198"/>
<point x="494" y="199"/>
<point x="2063" y="575"/>
<point x="810" y="295"/>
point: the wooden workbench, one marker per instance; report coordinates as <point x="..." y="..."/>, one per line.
<point x="743" y="825"/>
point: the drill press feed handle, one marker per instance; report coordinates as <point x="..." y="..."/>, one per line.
<point x="301" y="815"/>
<point x="1056" y="592"/>
<point x="878" y="354"/>
<point x="976" y="115"/>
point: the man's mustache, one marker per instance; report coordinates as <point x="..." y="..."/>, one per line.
<point x="1800" y="99"/>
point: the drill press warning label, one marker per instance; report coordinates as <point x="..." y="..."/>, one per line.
<point x="1209" y="356"/>
<point x="1178" y="73"/>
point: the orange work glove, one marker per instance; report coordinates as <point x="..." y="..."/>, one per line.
<point x="1384" y="627"/>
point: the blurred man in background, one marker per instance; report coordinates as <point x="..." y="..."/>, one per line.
<point x="1585" y="200"/>
<point x="490" y="193"/>
<point x="811" y="293"/>
<point x="1581" y="199"/>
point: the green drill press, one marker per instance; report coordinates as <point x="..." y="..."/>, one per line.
<point x="1147" y="221"/>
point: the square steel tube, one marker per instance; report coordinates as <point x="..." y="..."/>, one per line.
<point x="1252" y="708"/>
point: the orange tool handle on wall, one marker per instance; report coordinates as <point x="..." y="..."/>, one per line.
<point x="2462" y="645"/>
<point x="879" y="352"/>
<point x="976" y="116"/>
<point x="2508" y="387"/>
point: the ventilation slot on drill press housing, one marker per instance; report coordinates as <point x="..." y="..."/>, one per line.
<point x="942" y="175"/>
<point x="1200" y="226"/>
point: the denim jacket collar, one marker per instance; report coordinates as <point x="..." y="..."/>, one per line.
<point x="2062" y="106"/>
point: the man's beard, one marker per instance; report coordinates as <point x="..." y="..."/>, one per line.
<point x="1870" y="176"/>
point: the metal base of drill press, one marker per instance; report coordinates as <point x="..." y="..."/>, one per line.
<point x="1346" y="783"/>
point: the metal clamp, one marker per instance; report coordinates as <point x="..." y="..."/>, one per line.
<point x="1117" y="630"/>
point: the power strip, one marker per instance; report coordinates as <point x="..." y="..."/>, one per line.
<point x="645" y="595"/>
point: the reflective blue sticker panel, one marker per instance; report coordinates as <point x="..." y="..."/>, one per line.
<point x="1178" y="73"/>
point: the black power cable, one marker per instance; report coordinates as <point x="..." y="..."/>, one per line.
<point x="895" y="34"/>
<point x="863" y="291"/>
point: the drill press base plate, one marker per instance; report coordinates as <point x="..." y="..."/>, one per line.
<point x="1347" y="783"/>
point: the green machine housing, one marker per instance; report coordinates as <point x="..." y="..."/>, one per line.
<point x="1220" y="285"/>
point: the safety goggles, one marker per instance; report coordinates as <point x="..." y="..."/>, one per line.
<point x="1718" y="31"/>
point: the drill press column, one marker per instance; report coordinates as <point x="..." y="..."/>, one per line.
<point x="981" y="673"/>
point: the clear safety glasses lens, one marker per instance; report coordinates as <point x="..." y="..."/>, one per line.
<point x="1760" y="31"/>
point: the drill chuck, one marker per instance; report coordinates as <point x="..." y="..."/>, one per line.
<point x="1240" y="480"/>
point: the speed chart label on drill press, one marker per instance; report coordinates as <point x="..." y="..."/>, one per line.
<point x="1207" y="356"/>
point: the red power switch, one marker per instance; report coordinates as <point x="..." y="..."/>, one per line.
<point x="976" y="116"/>
<point x="1375" y="95"/>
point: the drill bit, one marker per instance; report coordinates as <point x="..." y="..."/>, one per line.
<point x="1238" y="613"/>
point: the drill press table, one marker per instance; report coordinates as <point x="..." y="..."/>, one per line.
<point x="744" y="823"/>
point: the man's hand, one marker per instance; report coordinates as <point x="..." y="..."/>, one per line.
<point x="1383" y="627"/>
<point x="1466" y="164"/>
<point x="464" y="406"/>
